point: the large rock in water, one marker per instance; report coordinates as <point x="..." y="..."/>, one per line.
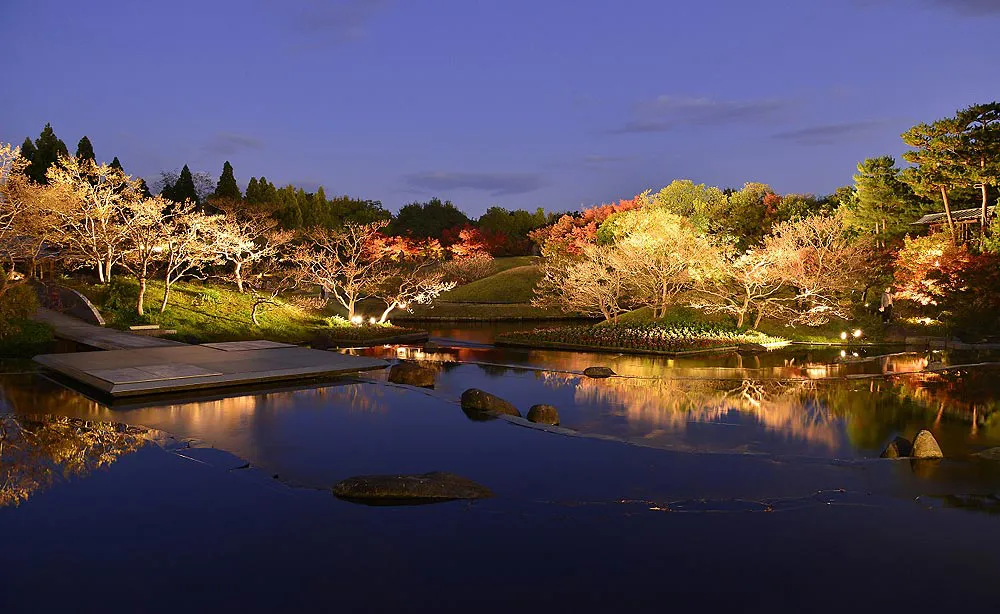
<point x="543" y="414"/>
<point x="751" y="348"/>
<point x="412" y="374"/>
<point x="476" y="400"/>
<point x="598" y="372"/>
<point x="899" y="447"/>
<point x="426" y="487"/>
<point x="925" y="446"/>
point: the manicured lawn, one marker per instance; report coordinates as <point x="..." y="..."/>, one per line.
<point x="637" y="337"/>
<point x="479" y="312"/>
<point x="510" y="262"/>
<point x="514" y="285"/>
<point x="215" y="312"/>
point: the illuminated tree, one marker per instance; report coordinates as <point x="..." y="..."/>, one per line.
<point x="935" y="169"/>
<point x="884" y="204"/>
<point x="979" y="149"/>
<point x="469" y="268"/>
<point x="189" y="246"/>
<point x="816" y="257"/>
<point x="699" y="203"/>
<point x="413" y="282"/>
<point x="930" y="268"/>
<point x="660" y="254"/>
<point x="743" y="284"/>
<point x="147" y="223"/>
<point x="243" y="239"/>
<point x="89" y="204"/>
<point x="570" y="234"/>
<point x="349" y="263"/>
<point x="593" y="284"/>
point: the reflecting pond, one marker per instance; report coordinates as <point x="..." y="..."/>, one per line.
<point x="809" y="401"/>
<point x="182" y="491"/>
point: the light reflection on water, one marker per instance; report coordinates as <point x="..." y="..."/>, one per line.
<point x="806" y="402"/>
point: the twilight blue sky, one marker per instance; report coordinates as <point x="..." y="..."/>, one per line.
<point x="522" y="103"/>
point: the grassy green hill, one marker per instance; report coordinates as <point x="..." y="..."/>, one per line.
<point x="512" y="285"/>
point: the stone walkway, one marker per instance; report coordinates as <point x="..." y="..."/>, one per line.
<point x="72" y="329"/>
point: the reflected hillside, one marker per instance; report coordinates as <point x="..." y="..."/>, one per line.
<point x="654" y="406"/>
<point x="796" y="363"/>
<point x="36" y="452"/>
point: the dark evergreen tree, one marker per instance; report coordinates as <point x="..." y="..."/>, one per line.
<point x="183" y="189"/>
<point x="253" y="191"/>
<point x="268" y="193"/>
<point x="28" y="150"/>
<point x="227" y="187"/>
<point x="48" y="148"/>
<point x="84" y="150"/>
<point x="116" y="164"/>
<point x="427" y="220"/>
<point x="143" y="188"/>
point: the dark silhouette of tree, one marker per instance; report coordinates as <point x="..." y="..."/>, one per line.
<point x="427" y="220"/>
<point x="48" y="148"/>
<point x="183" y="189"/>
<point x="227" y="187"/>
<point x="28" y="150"/>
<point x="84" y="150"/>
<point x="116" y="164"/>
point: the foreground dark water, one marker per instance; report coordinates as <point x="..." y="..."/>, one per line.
<point x="754" y="485"/>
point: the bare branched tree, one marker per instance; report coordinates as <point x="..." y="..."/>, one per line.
<point x="245" y="238"/>
<point x="349" y="263"/>
<point x="189" y="248"/>
<point x="89" y="202"/>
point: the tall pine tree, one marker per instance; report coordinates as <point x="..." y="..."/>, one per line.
<point x="253" y="191"/>
<point x="184" y="188"/>
<point x="48" y="148"/>
<point x="227" y="187"/>
<point x="84" y="150"/>
<point x="116" y="164"/>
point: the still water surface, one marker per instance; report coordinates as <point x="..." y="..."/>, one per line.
<point x="795" y="431"/>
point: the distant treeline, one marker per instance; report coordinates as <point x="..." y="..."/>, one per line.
<point x="503" y="232"/>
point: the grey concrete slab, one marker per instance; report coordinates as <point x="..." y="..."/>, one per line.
<point x="241" y="346"/>
<point x="68" y="327"/>
<point x="152" y="373"/>
<point x="132" y="372"/>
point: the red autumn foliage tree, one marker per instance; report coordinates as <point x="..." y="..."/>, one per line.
<point x="948" y="282"/>
<point x="930" y="269"/>
<point x="570" y="234"/>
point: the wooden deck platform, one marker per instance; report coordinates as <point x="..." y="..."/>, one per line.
<point x="176" y="367"/>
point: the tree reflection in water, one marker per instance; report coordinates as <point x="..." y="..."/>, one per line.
<point x="661" y="404"/>
<point x="37" y="451"/>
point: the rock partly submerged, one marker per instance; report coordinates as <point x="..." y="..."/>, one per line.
<point x="544" y="414"/>
<point x="478" y="401"/>
<point x="409" y="489"/>
<point x="899" y="447"/>
<point x="598" y="372"/>
<point x="412" y="374"/>
<point x="925" y="446"/>
<point x="992" y="454"/>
